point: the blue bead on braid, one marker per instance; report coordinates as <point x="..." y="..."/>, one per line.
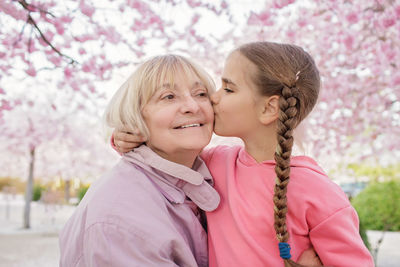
<point x="284" y="250"/>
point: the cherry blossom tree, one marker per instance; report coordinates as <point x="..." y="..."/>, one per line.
<point x="46" y="137"/>
<point x="60" y="61"/>
<point x="71" y="45"/>
<point x="356" y="47"/>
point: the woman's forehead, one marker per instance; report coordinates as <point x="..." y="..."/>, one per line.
<point x="173" y="79"/>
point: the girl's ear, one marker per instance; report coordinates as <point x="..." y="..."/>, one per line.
<point x="270" y="112"/>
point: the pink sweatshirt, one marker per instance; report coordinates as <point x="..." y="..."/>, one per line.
<point x="241" y="232"/>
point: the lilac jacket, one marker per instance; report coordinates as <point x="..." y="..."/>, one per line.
<point x="141" y="213"/>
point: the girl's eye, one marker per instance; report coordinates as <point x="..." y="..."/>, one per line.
<point x="228" y="90"/>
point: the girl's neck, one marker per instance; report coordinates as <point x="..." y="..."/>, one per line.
<point x="261" y="146"/>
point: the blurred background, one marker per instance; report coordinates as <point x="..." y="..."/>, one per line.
<point x="61" y="61"/>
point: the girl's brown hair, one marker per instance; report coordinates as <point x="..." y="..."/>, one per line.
<point x="287" y="71"/>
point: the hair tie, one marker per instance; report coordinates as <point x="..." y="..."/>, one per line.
<point x="297" y="76"/>
<point x="284" y="250"/>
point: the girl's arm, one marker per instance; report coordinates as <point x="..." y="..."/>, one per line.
<point x="124" y="141"/>
<point x="337" y="240"/>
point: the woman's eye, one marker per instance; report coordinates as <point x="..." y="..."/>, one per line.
<point x="170" y="96"/>
<point x="228" y="90"/>
<point x="203" y="94"/>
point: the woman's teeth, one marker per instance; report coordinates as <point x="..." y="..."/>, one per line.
<point x="189" y="125"/>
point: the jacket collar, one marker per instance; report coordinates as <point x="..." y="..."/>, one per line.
<point x="176" y="181"/>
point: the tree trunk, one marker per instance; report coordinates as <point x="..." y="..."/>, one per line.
<point x="29" y="189"/>
<point x="67" y="190"/>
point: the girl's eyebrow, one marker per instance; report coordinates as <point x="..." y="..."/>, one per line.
<point x="227" y="81"/>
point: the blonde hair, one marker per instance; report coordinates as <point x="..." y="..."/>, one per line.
<point x="124" y="111"/>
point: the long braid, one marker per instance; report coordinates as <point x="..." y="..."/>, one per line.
<point x="286" y="124"/>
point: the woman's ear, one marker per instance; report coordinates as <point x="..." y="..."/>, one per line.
<point x="270" y="110"/>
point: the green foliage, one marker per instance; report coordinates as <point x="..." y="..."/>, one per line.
<point x="81" y="192"/>
<point x="375" y="172"/>
<point x="378" y="206"/>
<point x="363" y="234"/>
<point x="37" y="192"/>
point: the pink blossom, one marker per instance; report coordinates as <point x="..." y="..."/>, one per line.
<point x="49" y="35"/>
<point x="195" y="18"/>
<point x="31" y="71"/>
<point x="10" y="9"/>
<point x="224" y="5"/>
<point x="388" y="22"/>
<point x="111" y="34"/>
<point x="87" y="9"/>
<point x="282" y="3"/>
<point x="67" y="73"/>
<point x="291" y="34"/>
<point x="397" y="11"/>
<point x="84" y="38"/>
<point x="302" y="22"/>
<point x="263" y="18"/>
<point x="348" y="42"/>
<point x="193" y="3"/>
<point x="66" y="19"/>
<point x="154" y="20"/>
<point x="352" y="17"/>
<point x="87" y="67"/>
<point x="75" y="86"/>
<point x="59" y="27"/>
<point x="42" y="42"/>
<point x="141" y="41"/>
<point x="396" y="80"/>
<point x="56" y="60"/>
<point x="82" y="51"/>
<point x="2" y="92"/>
<point x="5" y="105"/>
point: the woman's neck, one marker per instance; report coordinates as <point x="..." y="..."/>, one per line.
<point x="186" y="158"/>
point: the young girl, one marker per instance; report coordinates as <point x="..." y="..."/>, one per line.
<point x="267" y="90"/>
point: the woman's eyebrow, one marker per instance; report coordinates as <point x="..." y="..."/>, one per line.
<point x="227" y="81"/>
<point x="166" y="86"/>
<point x="198" y="84"/>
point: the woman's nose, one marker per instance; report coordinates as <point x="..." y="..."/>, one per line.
<point x="190" y="105"/>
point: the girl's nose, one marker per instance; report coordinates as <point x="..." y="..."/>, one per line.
<point x="215" y="98"/>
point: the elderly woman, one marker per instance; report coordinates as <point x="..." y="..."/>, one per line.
<point x="144" y="212"/>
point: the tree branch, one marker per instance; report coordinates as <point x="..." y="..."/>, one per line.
<point x="31" y="21"/>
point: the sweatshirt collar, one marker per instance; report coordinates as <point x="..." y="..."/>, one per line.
<point x="295" y="161"/>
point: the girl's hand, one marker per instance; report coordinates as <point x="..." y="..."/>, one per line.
<point x="125" y="141"/>
<point x="309" y="258"/>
